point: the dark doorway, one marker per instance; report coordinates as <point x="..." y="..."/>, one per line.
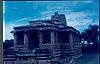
<point x="63" y="37"/>
<point x="46" y="37"/>
<point x="33" y="40"/>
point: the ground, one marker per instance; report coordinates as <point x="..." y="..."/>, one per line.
<point x="88" y="59"/>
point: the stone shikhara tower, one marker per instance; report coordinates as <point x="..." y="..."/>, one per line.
<point x="47" y="42"/>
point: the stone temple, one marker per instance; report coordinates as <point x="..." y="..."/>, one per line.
<point x="45" y="42"/>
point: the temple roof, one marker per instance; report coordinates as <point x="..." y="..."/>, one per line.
<point x="57" y="22"/>
<point x="36" y="21"/>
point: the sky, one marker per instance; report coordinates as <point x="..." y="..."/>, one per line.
<point x="79" y="14"/>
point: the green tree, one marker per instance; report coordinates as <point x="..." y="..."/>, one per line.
<point x="91" y="35"/>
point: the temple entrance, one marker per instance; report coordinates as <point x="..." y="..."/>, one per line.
<point x="46" y="37"/>
<point x="63" y="37"/>
<point x="33" y="40"/>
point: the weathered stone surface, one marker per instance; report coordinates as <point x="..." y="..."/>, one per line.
<point x="63" y="46"/>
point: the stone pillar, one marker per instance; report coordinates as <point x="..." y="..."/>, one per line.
<point x="25" y="39"/>
<point x="71" y="40"/>
<point x="71" y="59"/>
<point x="40" y="38"/>
<point x="52" y="38"/>
<point x="15" y="40"/>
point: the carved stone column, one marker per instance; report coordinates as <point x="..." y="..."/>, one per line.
<point x="15" y="40"/>
<point x="71" y="59"/>
<point x="56" y="41"/>
<point x="25" y="39"/>
<point x="71" y="40"/>
<point x="52" y="38"/>
<point x="40" y="38"/>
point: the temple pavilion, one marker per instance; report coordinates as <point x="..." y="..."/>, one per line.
<point x="45" y="42"/>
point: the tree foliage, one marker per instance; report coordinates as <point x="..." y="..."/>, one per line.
<point x="91" y="34"/>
